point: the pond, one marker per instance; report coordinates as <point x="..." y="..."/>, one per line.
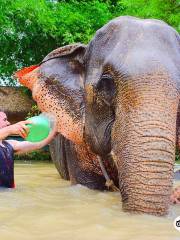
<point x="43" y="206"/>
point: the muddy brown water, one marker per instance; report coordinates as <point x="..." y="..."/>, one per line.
<point x="45" y="207"/>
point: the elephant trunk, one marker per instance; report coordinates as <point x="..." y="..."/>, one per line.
<point x="144" y="137"/>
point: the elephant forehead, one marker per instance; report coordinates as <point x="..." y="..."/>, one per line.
<point x="121" y="40"/>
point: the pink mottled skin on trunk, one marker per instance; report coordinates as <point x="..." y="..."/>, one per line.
<point x="67" y="126"/>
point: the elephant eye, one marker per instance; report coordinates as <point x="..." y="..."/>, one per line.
<point x="106" y="88"/>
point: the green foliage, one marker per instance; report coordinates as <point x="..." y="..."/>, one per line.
<point x="35" y="156"/>
<point x="177" y="158"/>
<point x="166" y="10"/>
<point x="33" y="112"/>
<point x="32" y="28"/>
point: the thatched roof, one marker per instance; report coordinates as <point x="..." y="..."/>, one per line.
<point x="15" y="103"/>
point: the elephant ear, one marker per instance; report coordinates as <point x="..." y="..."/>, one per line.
<point x="66" y="65"/>
<point x="77" y="49"/>
<point x="57" y="85"/>
<point x="62" y="82"/>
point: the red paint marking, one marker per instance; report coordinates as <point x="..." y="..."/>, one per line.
<point x="19" y="74"/>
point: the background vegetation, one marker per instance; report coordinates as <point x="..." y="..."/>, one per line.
<point x="32" y="28"/>
<point x="35" y="156"/>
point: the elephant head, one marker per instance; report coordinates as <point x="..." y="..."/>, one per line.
<point x="120" y="95"/>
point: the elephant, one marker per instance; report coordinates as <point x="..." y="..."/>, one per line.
<point x="116" y="103"/>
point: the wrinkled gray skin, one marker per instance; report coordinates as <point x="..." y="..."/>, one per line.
<point x="128" y="103"/>
<point x="133" y="67"/>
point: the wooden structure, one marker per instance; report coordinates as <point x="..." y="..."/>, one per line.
<point x="15" y="103"/>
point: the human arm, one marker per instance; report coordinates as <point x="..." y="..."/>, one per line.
<point x="19" y="128"/>
<point x="25" y="146"/>
<point x="175" y="196"/>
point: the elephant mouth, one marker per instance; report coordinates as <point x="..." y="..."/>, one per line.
<point x="99" y="138"/>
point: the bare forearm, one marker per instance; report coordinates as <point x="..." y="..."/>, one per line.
<point x="24" y="147"/>
<point x="5" y="132"/>
<point x="28" y="147"/>
<point x="19" y="128"/>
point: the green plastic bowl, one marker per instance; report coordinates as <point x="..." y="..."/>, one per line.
<point x="39" y="129"/>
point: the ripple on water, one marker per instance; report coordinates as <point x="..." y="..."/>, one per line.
<point x="43" y="206"/>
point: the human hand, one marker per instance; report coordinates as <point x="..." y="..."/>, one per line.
<point x="27" y="146"/>
<point x="20" y="128"/>
<point x="175" y="196"/>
